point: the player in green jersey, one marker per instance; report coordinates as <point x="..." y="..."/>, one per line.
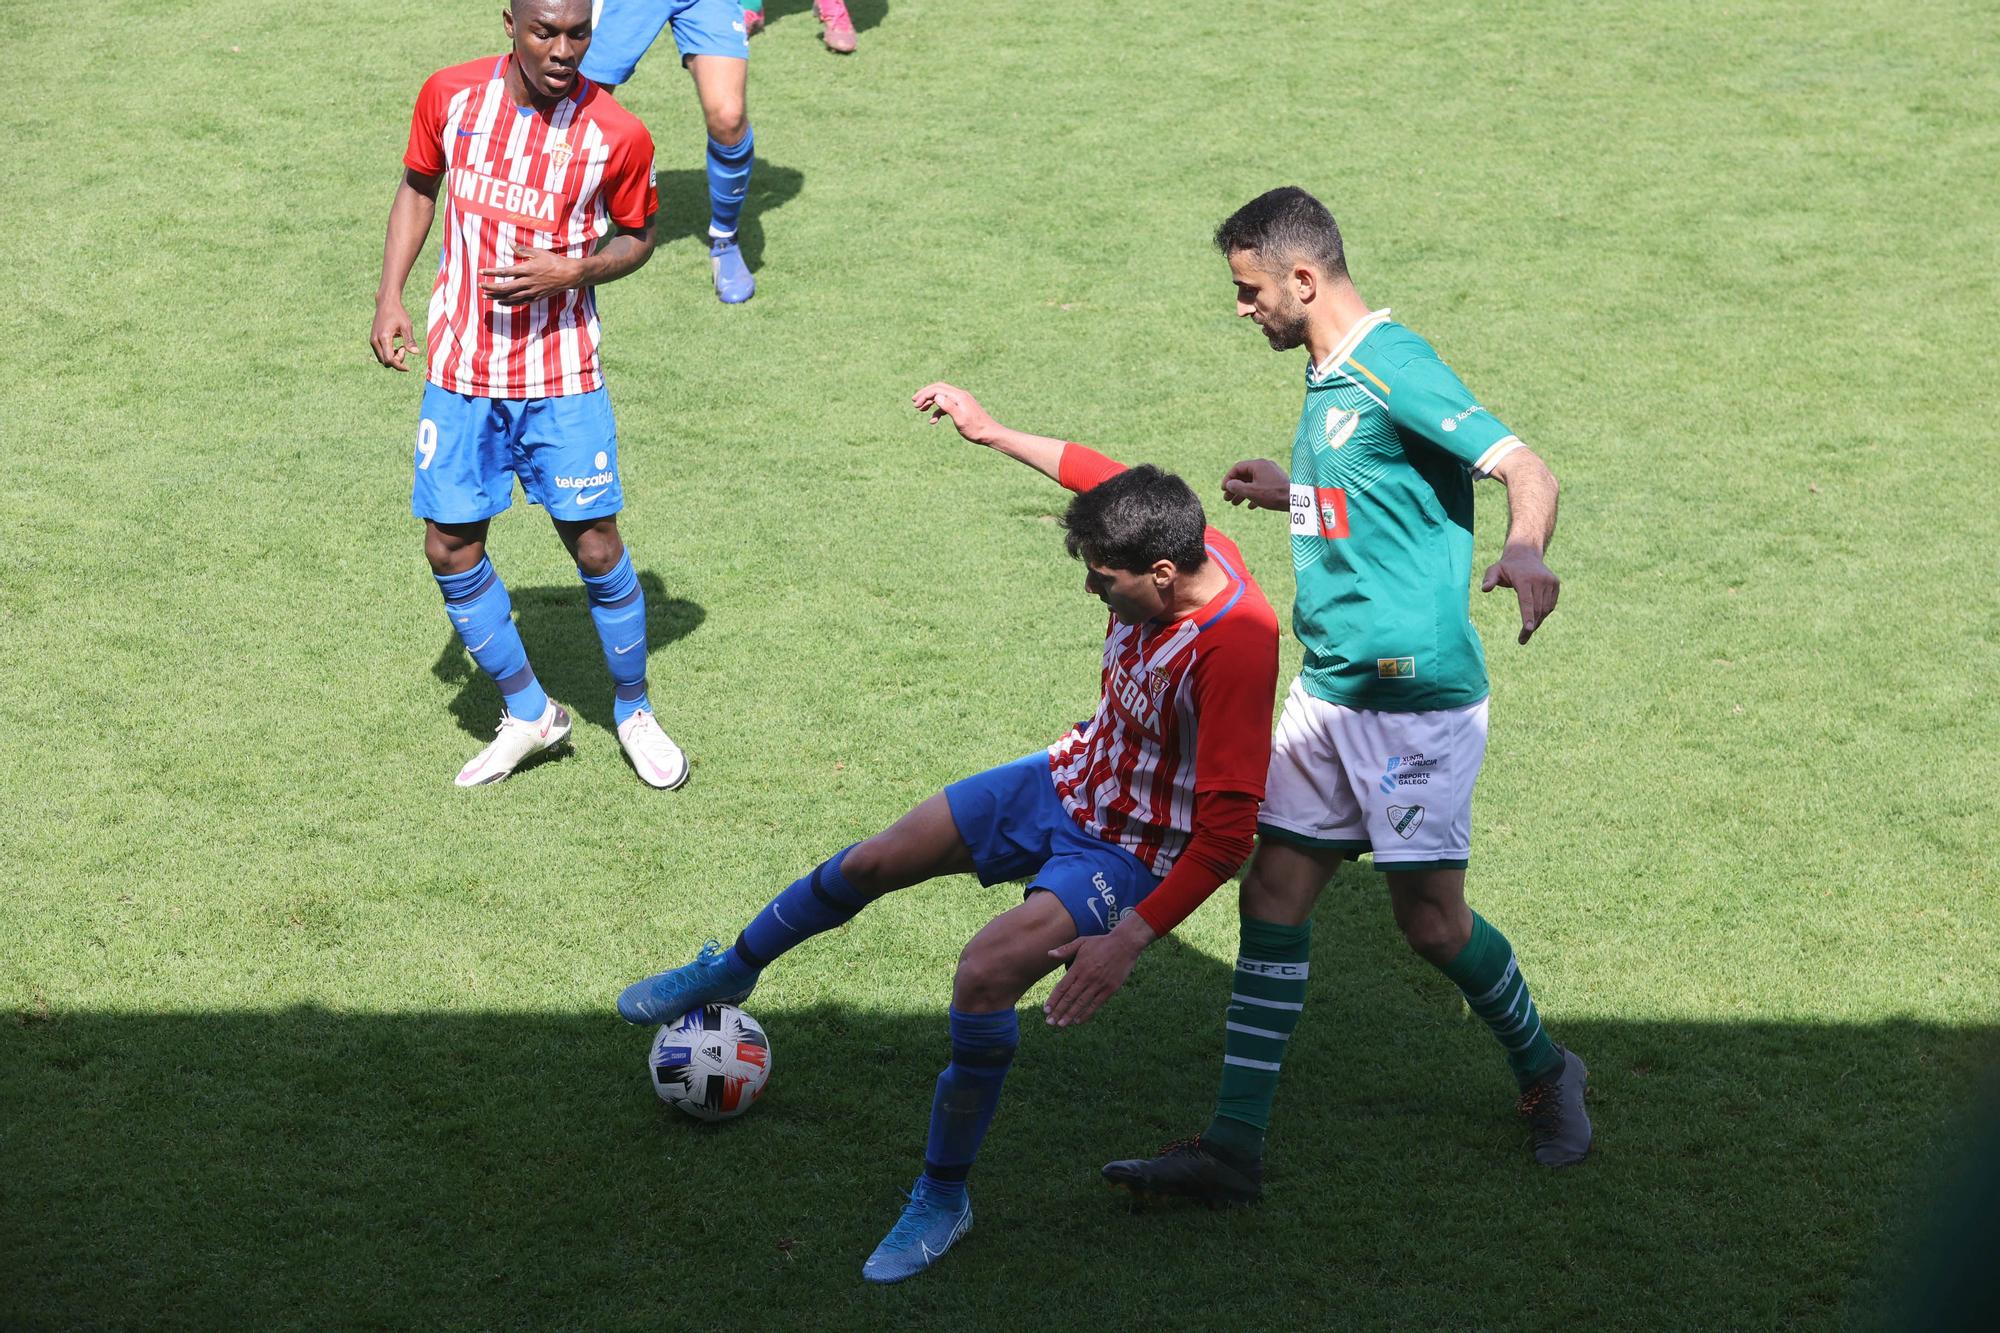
<point x="1384" y="730"/>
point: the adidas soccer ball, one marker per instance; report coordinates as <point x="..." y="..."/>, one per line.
<point x="712" y="1062"/>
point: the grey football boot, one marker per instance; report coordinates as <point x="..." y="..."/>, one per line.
<point x="1553" y="1107"/>
<point x="1188" y="1169"/>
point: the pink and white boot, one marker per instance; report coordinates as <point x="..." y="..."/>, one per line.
<point x="836" y="27"/>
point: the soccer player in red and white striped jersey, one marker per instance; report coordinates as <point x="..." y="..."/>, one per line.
<point x="537" y="165"/>
<point x="1118" y="830"/>
<point x="1133" y="774"/>
<point x="511" y="197"/>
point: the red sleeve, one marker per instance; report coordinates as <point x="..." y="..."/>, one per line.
<point x="1083" y="467"/>
<point x="1225" y="827"/>
<point x="1235" y="681"/>
<point x="425" y="154"/>
<point x="630" y="190"/>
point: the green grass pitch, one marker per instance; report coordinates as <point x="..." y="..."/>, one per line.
<point x="295" y="1035"/>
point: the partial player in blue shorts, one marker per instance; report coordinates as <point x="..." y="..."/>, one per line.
<point x="470" y="450"/>
<point x="1015" y="826"/>
<point x="716" y="52"/>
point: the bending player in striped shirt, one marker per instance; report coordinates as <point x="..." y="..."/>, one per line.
<point x="1119" y="829"/>
<point x="539" y="163"/>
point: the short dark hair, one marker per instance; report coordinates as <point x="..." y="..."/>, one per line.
<point x="1135" y="518"/>
<point x="1283" y="224"/>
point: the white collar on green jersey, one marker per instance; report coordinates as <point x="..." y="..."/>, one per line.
<point x="1376" y="318"/>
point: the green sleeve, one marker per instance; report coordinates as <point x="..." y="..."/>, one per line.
<point x="1426" y="400"/>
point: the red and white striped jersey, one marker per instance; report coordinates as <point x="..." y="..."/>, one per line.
<point x="515" y="178"/>
<point x="1185" y="708"/>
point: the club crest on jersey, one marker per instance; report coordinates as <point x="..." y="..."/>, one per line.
<point x="1157" y="681"/>
<point x="559" y="150"/>
<point x="1339" y="426"/>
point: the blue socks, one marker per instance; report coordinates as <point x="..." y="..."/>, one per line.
<point x="810" y="904"/>
<point x="618" y="607"/>
<point x="728" y="182"/>
<point x="483" y="615"/>
<point x="968" y="1093"/>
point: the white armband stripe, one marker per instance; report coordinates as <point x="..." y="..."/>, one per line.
<point x="1501" y="448"/>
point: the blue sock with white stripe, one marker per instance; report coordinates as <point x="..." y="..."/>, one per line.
<point x="728" y="182"/>
<point x="968" y="1093"/>
<point x="1488" y="974"/>
<point x="1267" y="996"/>
<point x="618" y="608"/>
<point x="483" y="615"/>
<point x="809" y="905"/>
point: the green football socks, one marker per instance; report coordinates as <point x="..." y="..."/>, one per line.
<point x="1266" y="997"/>
<point x="1487" y="972"/>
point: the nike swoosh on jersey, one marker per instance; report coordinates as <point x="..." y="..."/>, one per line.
<point x="584" y="499"/>
<point x="482" y="643"/>
<point x="628" y="647"/>
<point x="469" y="134"/>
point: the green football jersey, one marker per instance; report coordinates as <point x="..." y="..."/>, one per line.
<point x="1382" y="471"/>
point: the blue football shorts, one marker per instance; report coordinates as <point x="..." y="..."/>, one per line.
<point x="1016" y="826"/>
<point x="469" y="451"/>
<point x="621" y="30"/>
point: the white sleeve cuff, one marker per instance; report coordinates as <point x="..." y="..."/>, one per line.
<point x="1491" y="458"/>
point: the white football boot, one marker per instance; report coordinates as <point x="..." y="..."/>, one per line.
<point x="658" y="761"/>
<point x="515" y="741"/>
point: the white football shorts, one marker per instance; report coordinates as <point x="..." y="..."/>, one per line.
<point x="1359" y="779"/>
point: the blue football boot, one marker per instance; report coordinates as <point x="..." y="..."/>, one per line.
<point x="707" y="980"/>
<point x="931" y="1222"/>
<point x="733" y="283"/>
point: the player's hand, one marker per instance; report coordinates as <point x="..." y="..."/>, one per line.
<point x="391" y="323"/>
<point x="948" y="400"/>
<point x="533" y="276"/>
<point x="1098" y="966"/>
<point x="1259" y="483"/>
<point x="1521" y="568"/>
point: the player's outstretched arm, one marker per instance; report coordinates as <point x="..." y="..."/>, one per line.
<point x="1259" y="483"/>
<point x="1531" y="525"/>
<point x="1040" y="452"/>
<point x="536" y="274"/>
<point x="410" y="215"/>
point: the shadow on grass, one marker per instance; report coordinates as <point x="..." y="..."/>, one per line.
<point x="865" y="13"/>
<point x="563" y="648"/>
<point x="311" y="1168"/>
<point x="684" y="206"/>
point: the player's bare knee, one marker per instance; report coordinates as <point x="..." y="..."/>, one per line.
<point x="1432" y="934"/>
<point x="867" y="865"/>
<point x="728" y="121"/>
<point x="597" y="555"/>
<point x="450" y="554"/>
<point x="1274" y="898"/>
<point x="1255" y="897"/>
<point x="988" y="978"/>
